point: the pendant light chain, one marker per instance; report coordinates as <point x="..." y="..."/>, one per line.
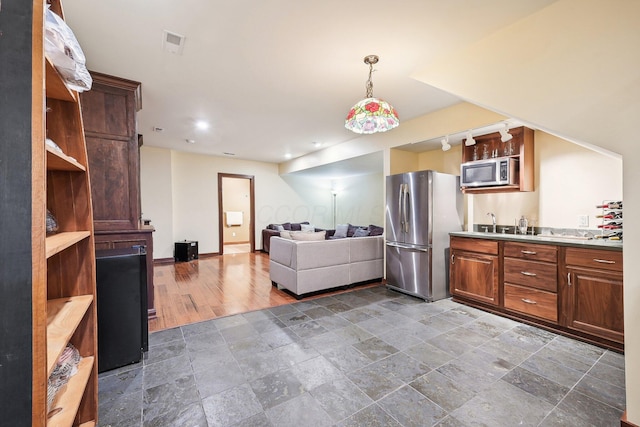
<point x="369" y="84"/>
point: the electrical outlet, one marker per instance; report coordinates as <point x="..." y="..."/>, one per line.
<point x="233" y="234"/>
<point x="583" y="220"/>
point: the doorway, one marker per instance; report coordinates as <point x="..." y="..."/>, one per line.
<point x="236" y="213"/>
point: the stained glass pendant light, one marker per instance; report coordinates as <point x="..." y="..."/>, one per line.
<point x="371" y="115"/>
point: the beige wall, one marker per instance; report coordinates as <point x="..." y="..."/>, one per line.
<point x="236" y="196"/>
<point x="157" y="197"/>
<point x="570" y="180"/>
<point x="180" y="196"/>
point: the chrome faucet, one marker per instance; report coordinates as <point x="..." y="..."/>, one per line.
<point x="493" y="220"/>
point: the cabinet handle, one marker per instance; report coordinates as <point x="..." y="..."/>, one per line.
<point x="569" y="278"/>
<point x="526" y="273"/>
<point x="453" y="258"/>
<point x="529" y="252"/>
<point x="604" y="261"/>
<point x="528" y="301"/>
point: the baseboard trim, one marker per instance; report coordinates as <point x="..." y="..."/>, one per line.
<point x="624" y="422"/>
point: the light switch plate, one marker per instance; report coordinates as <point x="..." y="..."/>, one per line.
<point x="583" y="220"/>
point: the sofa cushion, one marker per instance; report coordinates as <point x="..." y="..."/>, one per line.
<point x="286" y="234"/>
<point x="341" y="231"/>
<point x="374" y="230"/>
<point x="307" y="236"/>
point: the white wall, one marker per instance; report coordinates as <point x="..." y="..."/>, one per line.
<point x="359" y="199"/>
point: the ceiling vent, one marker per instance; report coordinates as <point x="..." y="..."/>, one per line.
<point x="172" y="42"/>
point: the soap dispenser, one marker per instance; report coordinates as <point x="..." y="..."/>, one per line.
<point x="523" y="224"/>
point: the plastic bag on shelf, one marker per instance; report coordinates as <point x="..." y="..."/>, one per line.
<point x="66" y="367"/>
<point x="63" y="50"/>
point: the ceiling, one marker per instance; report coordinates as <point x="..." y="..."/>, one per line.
<point x="273" y="77"/>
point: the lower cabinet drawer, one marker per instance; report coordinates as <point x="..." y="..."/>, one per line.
<point x="531" y="301"/>
<point x="534" y="274"/>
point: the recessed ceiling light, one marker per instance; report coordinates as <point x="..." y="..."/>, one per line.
<point x="287" y="155"/>
<point x="317" y="144"/>
<point x="202" y="125"/>
<point x="229" y="154"/>
<point x="190" y="141"/>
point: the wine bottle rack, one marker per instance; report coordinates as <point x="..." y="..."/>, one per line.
<point x="612" y="220"/>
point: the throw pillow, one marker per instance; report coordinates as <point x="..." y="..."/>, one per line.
<point x="297" y="226"/>
<point x="318" y="235"/>
<point x="361" y="232"/>
<point x="279" y="228"/>
<point x="352" y="229"/>
<point x="374" y="230"/>
<point x="286" y="234"/>
<point x="341" y="231"/>
<point x="306" y="228"/>
<point x="287" y="226"/>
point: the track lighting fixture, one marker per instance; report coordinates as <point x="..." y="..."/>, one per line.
<point x="504" y="134"/>
<point x="445" y="143"/>
<point x="469" y="141"/>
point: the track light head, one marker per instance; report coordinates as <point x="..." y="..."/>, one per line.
<point x="469" y="141"/>
<point x="504" y="134"/>
<point x="445" y="143"/>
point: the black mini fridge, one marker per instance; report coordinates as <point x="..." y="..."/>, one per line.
<point x="121" y="282"/>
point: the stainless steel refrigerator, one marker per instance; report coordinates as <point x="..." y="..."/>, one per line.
<point x="422" y="208"/>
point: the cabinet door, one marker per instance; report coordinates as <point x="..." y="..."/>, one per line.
<point x="109" y="115"/>
<point x="474" y="275"/>
<point x="595" y="302"/>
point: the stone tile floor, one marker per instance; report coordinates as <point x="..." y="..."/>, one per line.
<point x="371" y="357"/>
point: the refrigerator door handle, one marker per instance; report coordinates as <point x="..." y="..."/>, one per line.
<point x="401" y="246"/>
<point x="405" y="208"/>
<point x="400" y="204"/>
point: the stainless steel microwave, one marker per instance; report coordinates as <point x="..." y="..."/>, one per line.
<point x="489" y="172"/>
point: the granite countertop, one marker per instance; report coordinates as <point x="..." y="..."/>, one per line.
<point x="548" y="240"/>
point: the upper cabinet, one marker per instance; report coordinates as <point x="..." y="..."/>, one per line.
<point x="109" y="113"/>
<point x="520" y="148"/>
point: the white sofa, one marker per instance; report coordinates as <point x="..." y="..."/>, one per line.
<point x="303" y="267"/>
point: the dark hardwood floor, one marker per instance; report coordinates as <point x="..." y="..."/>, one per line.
<point x="210" y="287"/>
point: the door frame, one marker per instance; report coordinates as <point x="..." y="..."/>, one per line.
<point x="252" y="211"/>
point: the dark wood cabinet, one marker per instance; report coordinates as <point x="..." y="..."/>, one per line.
<point x="523" y="148"/>
<point x="113" y="148"/>
<point x="474" y="271"/>
<point x="109" y="113"/>
<point x="575" y="291"/>
<point x="531" y="280"/>
<point x="593" y="292"/>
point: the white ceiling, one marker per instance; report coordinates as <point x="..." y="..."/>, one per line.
<point x="274" y="76"/>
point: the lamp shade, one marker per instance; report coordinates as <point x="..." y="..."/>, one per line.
<point x="371" y="115"/>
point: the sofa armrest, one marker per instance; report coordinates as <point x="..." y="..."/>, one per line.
<point x="267" y="234"/>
